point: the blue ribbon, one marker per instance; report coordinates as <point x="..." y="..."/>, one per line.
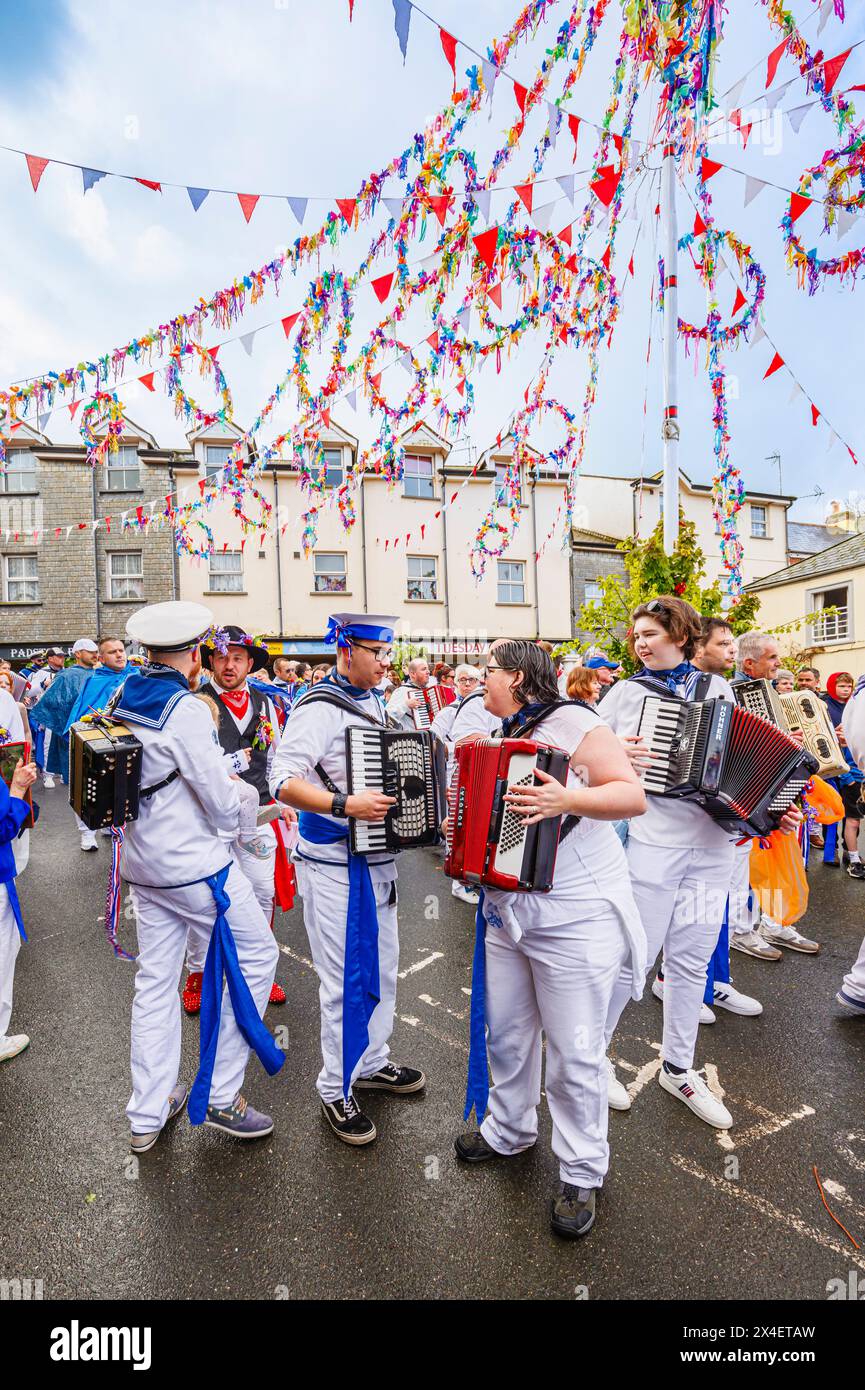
<point x="361" y="989"/>
<point x="16" y="908"/>
<point x="478" y="1083"/>
<point x="222" y="962"/>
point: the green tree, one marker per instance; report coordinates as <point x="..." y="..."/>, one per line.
<point x="649" y="572"/>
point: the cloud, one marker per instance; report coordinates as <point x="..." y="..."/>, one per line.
<point x="157" y="254"/>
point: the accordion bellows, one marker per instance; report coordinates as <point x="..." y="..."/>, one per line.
<point x="433" y="699"/>
<point x="803" y="713"/>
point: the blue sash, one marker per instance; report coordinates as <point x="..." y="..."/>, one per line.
<point x="478" y="1084"/>
<point x="360" y="981"/>
<point x="222" y="961"/>
<point x="16" y="908"/>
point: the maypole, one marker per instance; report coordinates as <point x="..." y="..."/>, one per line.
<point x="670" y="428"/>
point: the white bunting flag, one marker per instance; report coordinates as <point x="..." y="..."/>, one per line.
<point x="566" y="184"/>
<point x="772" y="98"/>
<point x="542" y="216"/>
<point x="757" y="332"/>
<point x="351" y="400"/>
<point x="394" y="207"/>
<point x="246" y="340"/>
<point x="797" y="115"/>
<point x="482" y="198"/>
<point x="753" y="187"/>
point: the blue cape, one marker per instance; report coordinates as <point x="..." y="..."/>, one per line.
<point x="53" y="709"/>
<point x="95" y="692"/>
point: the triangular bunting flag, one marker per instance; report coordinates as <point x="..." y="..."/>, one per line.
<point x="831" y="69"/>
<point x="72" y="407"/>
<point x="433" y="340"/>
<point x="815" y="414"/>
<point x="463" y="317"/>
<point x="567" y="234"/>
<point x="757" y="332"/>
<point x="796" y="391"/>
<point x="394" y="207"/>
<point x="798" y="204"/>
<point x="555" y="120"/>
<point x="298" y="207"/>
<point x="826" y="10"/>
<point x="543" y="216"/>
<point x="197" y="197"/>
<point x="495" y="294"/>
<point x="36" y="166"/>
<point x="490" y="73"/>
<point x="406" y="363"/>
<point x="605" y="259"/>
<point x="401" y="23"/>
<point x="752" y="188"/>
<point x="246" y="340"/>
<point x="566" y="184"/>
<point x="325" y="419"/>
<point x="449" y="48"/>
<point x="709" y="167"/>
<point x="288" y="323"/>
<point x="700" y="227"/>
<point x="631" y="266"/>
<point x="347" y="207"/>
<point x="773" y="61"/>
<point x="797" y="115"/>
<point x="731" y="98"/>
<point x="42" y="420"/>
<point x="91" y="176"/>
<point x="485" y="245"/>
<point x="482" y="200"/>
<point x="740" y="301"/>
<point x="147" y="380"/>
<point x="777" y="361"/>
<point x="605" y="183"/>
<point x="574" y="128"/>
<point x="524" y="192"/>
<point x="247" y="203"/>
<point x="150" y="183"/>
<point x="375" y="381"/>
<point x="381" y="286"/>
<point x="845" y="220"/>
<point x="440" y="203"/>
<point x="772" y="99"/>
<point x="521" y="94"/>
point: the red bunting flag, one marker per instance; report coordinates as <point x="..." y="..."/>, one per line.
<point x="440" y="204"/>
<point x="495" y="294"/>
<point x="382" y="285"/>
<point x="631" y="266"/>
<point x="740" y="301"/>
<point x="524" y="192"/>
<point x="36" y="168"/>
<point x="777" y="361"/>
<point x="815" y="415"/>
<point x="798" y="204"/>
<point x="832" y="67"/>
<point x="571" y="263"/>
<point x="485" y="245"/>
<point x="423" y="531"/>
<point x="157" y="187"/>
<point x="325" y="419"/>
<point x="773" y="61"/>
<point x="574" y="128"/>
<point x="433" y="340"/>
<point x="461" y="387"/>
<point x="745" y="131"/>
<point x="617" y="141"/>
<point x="350" y="10"/>
<point x="147" y="380"/>
<point x="247" y="203"/>
<point x="700" y="227"/>
<point x="212" y="352"/>
<point x="709" y="168"/>
<point x="288" y="323"/>
<point x="851" y="453"/>
<point x="605" y="259"/>
<point x="521" y="94"/>
<point x="376" y="381"/>
<point x="566" y="235"/>
<point x="72" y="407"/>
<point x="605" y="183"/>
<point x="449" y="48"/>
<point x="347" y="207"/>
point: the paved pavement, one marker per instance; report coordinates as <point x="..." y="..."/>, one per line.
<point x="686" y="1212"/>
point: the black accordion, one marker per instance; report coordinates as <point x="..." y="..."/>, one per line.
<point x="742" y="770"/>
<point x="104" y="772"/>
<point x="408" y="766"/>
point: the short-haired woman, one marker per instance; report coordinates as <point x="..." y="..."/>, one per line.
<point x="583" y="684"/>
<point x="552" y="959"/>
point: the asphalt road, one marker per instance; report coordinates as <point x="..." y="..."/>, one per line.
<point x="686" y="1212"/>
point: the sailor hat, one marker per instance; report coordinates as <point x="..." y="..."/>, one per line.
<point x="170" y="627"/>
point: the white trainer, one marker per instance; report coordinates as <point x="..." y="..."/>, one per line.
<point x="465" y="895"/>
<point x="789" y="937"/>
<point x="88" y="840"/>
<point x="726" y="997"/>
<point x="617" y="1096"/>
<point x="11" y="1046"/>
<point x="706" y="1015"/>
<point x="692" y="1089"/>
<point x="48" y="781"/>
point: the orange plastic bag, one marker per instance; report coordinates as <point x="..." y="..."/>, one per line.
<point x="824" y="802"/>
<point x="778" y="878"/>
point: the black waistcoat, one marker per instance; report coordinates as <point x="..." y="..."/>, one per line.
<point x="231" y="739"/>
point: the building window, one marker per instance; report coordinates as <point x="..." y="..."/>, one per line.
<point x="333" y="467"/>
<point x="123" y="470"/>
<point x="512" y="581"/>
<point x="502" y="495"/>
<point x="834" y="627"/>
<point x="759" y="522"/>
<point x="226" y="572"/>
<point x="20" y="475"/>
<point x="417" y="476"/>
<point x="422" y="583"/>
<point x="22" y="579"/>
<point x="593" y="591"/>
<point x="329" y="572"/>
<point x="216" y="456"/>
<point x="125" y="574"/>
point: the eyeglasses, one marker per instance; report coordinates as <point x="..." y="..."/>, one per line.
<point x="492" y="667"/>
<point x="380" y="653"/>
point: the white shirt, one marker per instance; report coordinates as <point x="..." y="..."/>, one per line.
<point x="10" y="717"/>
<point x="176" y="839"/>
<point x="315" y="733"/>
<point x="853" y="727"/>
<point x="668" y="821"/>
<point x="39" y="682"/>
<point x="397" y="705"/>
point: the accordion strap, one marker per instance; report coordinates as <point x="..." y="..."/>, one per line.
<point x="329" y="784"/>
<point x="147" y="792"/>
<point x="331" y="697"/>
<point x="701" y="689"/>
<point x="568" y="822"/>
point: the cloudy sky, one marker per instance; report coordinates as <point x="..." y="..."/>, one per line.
<point x="286" y="97"/>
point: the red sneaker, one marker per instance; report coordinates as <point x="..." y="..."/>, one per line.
<point x="277" y="994"/>
<point x="191" y="996"/>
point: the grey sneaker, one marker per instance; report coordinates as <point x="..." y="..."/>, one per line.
<point x="789" y="937"/>
<point x="751" y="943"/>
<point x="140" y="1143"/>
<point x="239" y="1119"/>
<point x="572" y="1211"/>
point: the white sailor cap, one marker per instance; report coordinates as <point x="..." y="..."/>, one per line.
<point x="363" y="627"/>
<point x="170" y="627"/>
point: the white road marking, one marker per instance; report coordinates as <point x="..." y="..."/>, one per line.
<point x="765" y="1208"/>
<point x="644" y="1074"/>
<point x="433" y="1032"/>
<point x="842" y="1144"/>
<point x="768" y="1126"/>
<point x="421" y="964"/>
<point x="295" y="955"/>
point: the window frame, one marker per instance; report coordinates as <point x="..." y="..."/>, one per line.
<point x="510" y="583"/>
<point x="112" y="467"/>
<point x="419" y="477"/>
<point x="9" y="472"/>
<point x="811" y="598"/>
<point x="422" y="580"/>
<point x="24" y="579"/>
<point x="212" y="471"/>
<point x="222" y="555"/>
<point x="335" y="554"/>
<point x="110" y="557"/>
<point x="759" y="507"/>
<point x="338" y="452"/>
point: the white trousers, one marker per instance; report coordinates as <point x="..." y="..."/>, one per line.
<point x="680" y="895"/>
<point x="257" y="860"/>
<point x="10" y="944"/>
<point x="164" y="915"/>
<point x="854" y="983"/>
<point x="325" y="907"/>
<point x="556" y="978"/>
<point x="744" y="907"/>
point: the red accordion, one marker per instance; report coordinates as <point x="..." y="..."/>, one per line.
<point x="430" y="700"/>
<point x="487" y="843"/>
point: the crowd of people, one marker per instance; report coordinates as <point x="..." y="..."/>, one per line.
<point x="245" y="800"/>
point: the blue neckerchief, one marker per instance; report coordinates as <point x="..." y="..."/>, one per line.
<point x="222" y="961"/>
<point x="361" y="989"/>
<point x="514" y="722"/>
<point x="478" y="1081"/>
<point x="150" y="694"/>
<point x="679" y="679"/>
<point x="343" y="683"/>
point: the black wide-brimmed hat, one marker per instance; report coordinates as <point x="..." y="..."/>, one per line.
<point x="232" y="636"/>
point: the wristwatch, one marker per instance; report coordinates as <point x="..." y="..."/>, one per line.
<point x="338" y="807"/>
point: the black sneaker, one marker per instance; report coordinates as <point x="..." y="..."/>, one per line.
<point x="572" y="1211"/>
<point x="400" y="1081"/>
<point x="855" y="868"/>
<point x="348" y="1122"/>
<point x="473" y="1148"/>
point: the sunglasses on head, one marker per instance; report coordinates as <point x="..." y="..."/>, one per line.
<point x="656" y="606"/>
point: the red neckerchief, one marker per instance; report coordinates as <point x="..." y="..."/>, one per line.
<point x="235" y="700"/>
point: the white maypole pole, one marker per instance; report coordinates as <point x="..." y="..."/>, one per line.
<point x="671" y="329"/>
